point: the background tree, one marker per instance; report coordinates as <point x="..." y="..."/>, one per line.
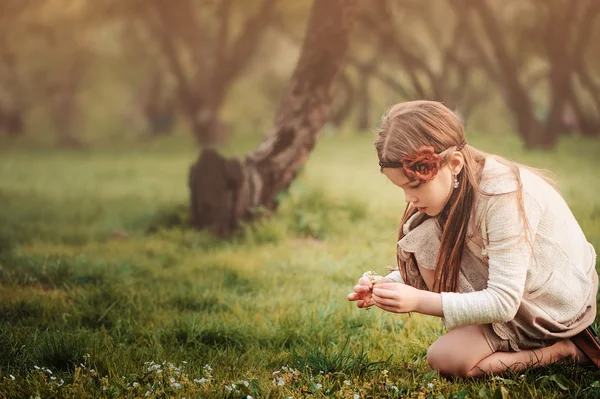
<point x="206" y="52"/>
<point x="554" y="32"/>
<point x="227" y="191"/>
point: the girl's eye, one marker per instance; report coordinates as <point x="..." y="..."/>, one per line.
<point x="416" y="185"/>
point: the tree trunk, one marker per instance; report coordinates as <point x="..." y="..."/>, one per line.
<point x="364" y="100"/>
<point x="342" y="106"/>
<point x="227" y="191"/>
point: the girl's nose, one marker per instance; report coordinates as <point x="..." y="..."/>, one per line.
<point x="410" y="198"/>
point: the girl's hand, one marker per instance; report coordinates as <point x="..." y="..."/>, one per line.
<point x="395" y="297"/>
<point x="363" y="292"/>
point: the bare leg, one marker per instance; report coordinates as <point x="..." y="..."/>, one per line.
<point x="499" y="362"/>
<point x="465" y="352"/>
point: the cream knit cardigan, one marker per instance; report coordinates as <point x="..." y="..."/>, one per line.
<point x="555" y="275"/>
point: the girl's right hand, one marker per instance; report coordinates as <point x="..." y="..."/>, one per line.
<point x="363" y="291"/>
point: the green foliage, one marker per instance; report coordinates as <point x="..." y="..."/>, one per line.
<point x="337" y="360"/>
<point x="311" y="212"/>
<point x="102" y="285"/>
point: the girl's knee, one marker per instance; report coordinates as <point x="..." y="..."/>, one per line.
<point x="448" y="361"/>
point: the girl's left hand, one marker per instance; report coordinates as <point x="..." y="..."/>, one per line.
<point x="395" y="297"/>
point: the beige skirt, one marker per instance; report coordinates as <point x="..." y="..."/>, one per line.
<point x="531" y="327"/>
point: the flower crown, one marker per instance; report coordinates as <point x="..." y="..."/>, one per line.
<point x="423" y="166"/>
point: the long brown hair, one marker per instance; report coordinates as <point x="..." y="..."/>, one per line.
<point x="404" y="129"/>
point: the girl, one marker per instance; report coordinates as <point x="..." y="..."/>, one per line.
<point x="488" y="245"/>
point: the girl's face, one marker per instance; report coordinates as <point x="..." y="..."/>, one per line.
<point x="430" y="197"/>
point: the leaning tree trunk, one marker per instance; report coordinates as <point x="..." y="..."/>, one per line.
<point x="225" y="192"/>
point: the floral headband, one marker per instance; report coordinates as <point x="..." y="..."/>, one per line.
<point x="423" y="166"/>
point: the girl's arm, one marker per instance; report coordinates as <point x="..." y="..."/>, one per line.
<point x="401" y="298"/>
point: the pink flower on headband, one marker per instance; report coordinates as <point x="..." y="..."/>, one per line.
<point x="423" y="166"/>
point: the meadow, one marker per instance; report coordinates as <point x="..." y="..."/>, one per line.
<point x="106" y="292"/>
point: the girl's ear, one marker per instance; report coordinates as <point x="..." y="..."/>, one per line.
<point x="457" y="161"/>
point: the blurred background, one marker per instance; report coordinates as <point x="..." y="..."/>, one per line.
<point x="77" y="73"/>
<point x="105" y="288"/>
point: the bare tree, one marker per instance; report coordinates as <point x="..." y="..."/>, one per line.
<point x="218" y="57"/>
<point x="425" y="48"/>
<point x="559" y="30"/>
<point x="227" y="191"/>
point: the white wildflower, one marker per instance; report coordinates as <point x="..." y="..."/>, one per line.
<point x="184" y="362"/>
<point x="207" y="367"/>
<point x="49" y="372"/>
<point x="280" y="382"/>
<point x="176" y="385"/>
<point x="135" y="385"/>
<point x="246" y="383"/>
<point x="147" y="393"/>
<point x="430" y="385"/>
<point x="12" y="377"/>
<point x="394" y="388"/>
<point x="52" y="378"/>
<point x="154" y="367"/>
<point x="356" y="396"/>
<point x="346" y="382"/>
<point x="36" y="367"/>
<point x="92" y="371"/>
<point x="319" y="386"/>
<point x="172" y="380"/>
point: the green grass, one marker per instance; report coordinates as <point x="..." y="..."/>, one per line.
<point x="104" y="286"/>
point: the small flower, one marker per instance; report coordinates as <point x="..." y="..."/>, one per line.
<point x="280" y="382"/>
<point x="346" y="382"/>
<point x="12" y="377"/>
<point x="176" y="385"/>
<point x="172" y="380"/>
<point x="36" y="367"/>
<point x="135" y="385"/>
<point x="147" y="393"/>
<point x="246" y="383"/>
<point x="49" y="372"/>
<point x="53" y="378"/>
<point x="356" y="396"/>
<point x="430" y="385"/>
<point x="319" y="386"/>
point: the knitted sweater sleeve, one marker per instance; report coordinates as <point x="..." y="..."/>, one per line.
<point x="510" y="247"/>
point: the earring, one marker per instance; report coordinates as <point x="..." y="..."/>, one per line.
<point x="455" y="181"/>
